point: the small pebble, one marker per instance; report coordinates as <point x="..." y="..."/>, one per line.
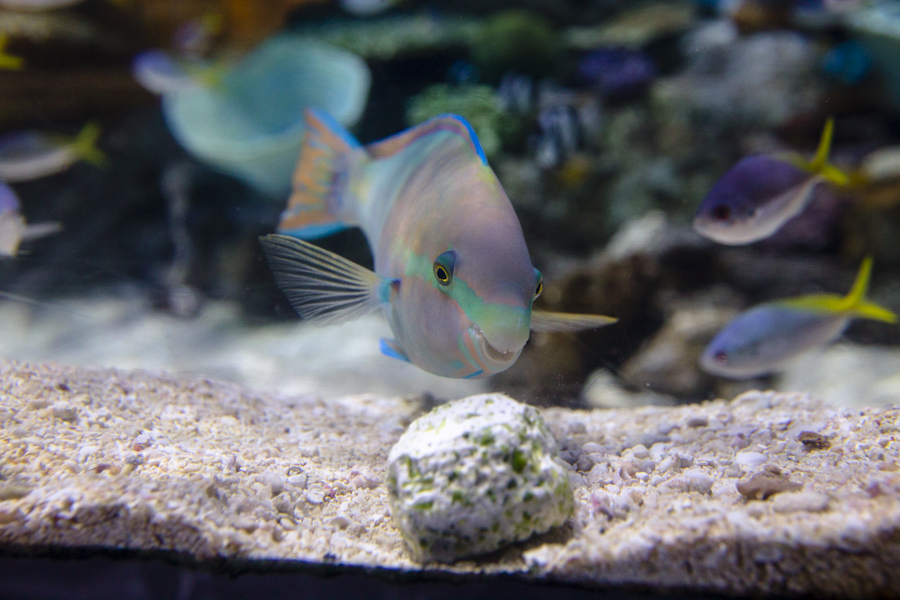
<point x="813" y="440"/>
<point x="800" y="502"/>
<point x="64" y="412"/>
<point x="751" y="460"/>
<point x="766" y="483"/>
<point x="697" y="421"/>
<point x="640" y="451"/>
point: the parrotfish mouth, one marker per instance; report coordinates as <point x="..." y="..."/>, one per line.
<point x="489" y="357"/>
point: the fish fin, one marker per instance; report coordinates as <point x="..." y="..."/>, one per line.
<point x="320" y="179"/>
<point x="393" y="349"/>
<point x="7" y="60"/>
<point x="454" y="124"/>
<point x="85" y="145"/>
<point x="854" y="303"/>
<point x="33" y="231"/>
<point x="323" y="288"/>
<point x="819" y="164"/>
<point x="542" y="320"/>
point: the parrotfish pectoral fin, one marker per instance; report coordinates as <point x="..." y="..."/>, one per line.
<point x="34" y="231"/>
<point x="392" y="349"/>
<point x="454" y="124"/>
<point x="8" y="61"/>
<point x="819" y="165"/>
<point x="323" y="288"/>
<point x="853" y="304"/>
<point x="542" y="320"/>
<point x="319" y="179"/>
<point x="85" y="145"/>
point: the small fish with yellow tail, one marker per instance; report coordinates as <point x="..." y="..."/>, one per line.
<point x="758" y="341"/>
<point x="452" y="271"/>
<point x="761" y="193"/>
<point x="13" y="228"/>
<point x="31" y="155"/>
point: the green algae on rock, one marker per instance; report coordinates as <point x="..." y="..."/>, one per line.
<point x="474" y="475"/>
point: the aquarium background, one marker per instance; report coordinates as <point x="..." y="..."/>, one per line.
<point x="606" y="122"/>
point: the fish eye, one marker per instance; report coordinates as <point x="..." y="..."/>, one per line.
<point x="441" y="274"/>
<point x="443" y="267"/>
<point x="721" y="212"/>
<point x="540" y="284"/>
<point x="721" y="357"/>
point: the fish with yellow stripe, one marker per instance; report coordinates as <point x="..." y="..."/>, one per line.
<point x="452" y="271"/>
<point x="759" y="340"/>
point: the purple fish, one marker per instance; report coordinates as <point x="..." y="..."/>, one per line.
<point x="761" y="193"/>
<point x="30" y="155"/>
<point x="452" y="271"/>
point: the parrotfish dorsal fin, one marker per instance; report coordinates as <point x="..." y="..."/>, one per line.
<point x="853" y="304"/>
<point x="448" y="123"/>
<point x="319" y="179"/>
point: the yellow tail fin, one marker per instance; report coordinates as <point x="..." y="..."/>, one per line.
<point x="8" y="61"/>
<point x="854" y="303"/>
<point x="820" y="165"/>
<point x="85" y="145"/>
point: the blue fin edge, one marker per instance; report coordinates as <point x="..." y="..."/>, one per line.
<point x="335" y="127"/>
<point x="389" y="348"/>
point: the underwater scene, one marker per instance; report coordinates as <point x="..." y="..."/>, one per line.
<point x="720" y="179"/>
<point x="584" y="292"/>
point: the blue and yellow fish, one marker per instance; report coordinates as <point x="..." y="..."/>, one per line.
<point x="452" y="271"/>
<point x="28" y="155"/>
<point x="761" y="193"/>
<point x="759" y="340"/>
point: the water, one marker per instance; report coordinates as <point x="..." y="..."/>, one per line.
<point x="158" y="266"/>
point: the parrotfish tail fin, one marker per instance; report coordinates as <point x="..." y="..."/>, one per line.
<point x="448" y="123"/>
<point x="820" y="165"/>
<point x="7" y="60"/>
<point x="542" y="320"/>
<point x="85" y="145"/>
<point x="34" y="231"/>
<point x="320" y="179"/>
<point x="853" y="304"/>
<point x="324" y="288"/>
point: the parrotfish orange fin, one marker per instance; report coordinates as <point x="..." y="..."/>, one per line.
<point x="449" y="123"/>
<point x="819" y="165"/>
<point x="85" y="145"/>
<point x="323" y="288"/>
<point x="8" y="61"/>
<point x="392" y="349"/>
<point x="320" y="179"/>
<point x="542" y="320"/>
<point x="854" y="303"/>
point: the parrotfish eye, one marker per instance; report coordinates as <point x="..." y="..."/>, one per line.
<point x="721" y="357"/>
<point x="443" y="267"/>
<point x="540" y="284"/>
<point x="721" y="212"/>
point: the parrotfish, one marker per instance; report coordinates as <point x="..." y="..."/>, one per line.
<point x="31" y="155"/>
<point x="452" y="271"/>
<point x="7" y="60"/>
<point x="761" y="193"/>
<point x="13" y="229"/>
<point x="759" y="340"/>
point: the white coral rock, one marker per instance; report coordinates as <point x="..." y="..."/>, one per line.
<point x="476" y="474"/>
